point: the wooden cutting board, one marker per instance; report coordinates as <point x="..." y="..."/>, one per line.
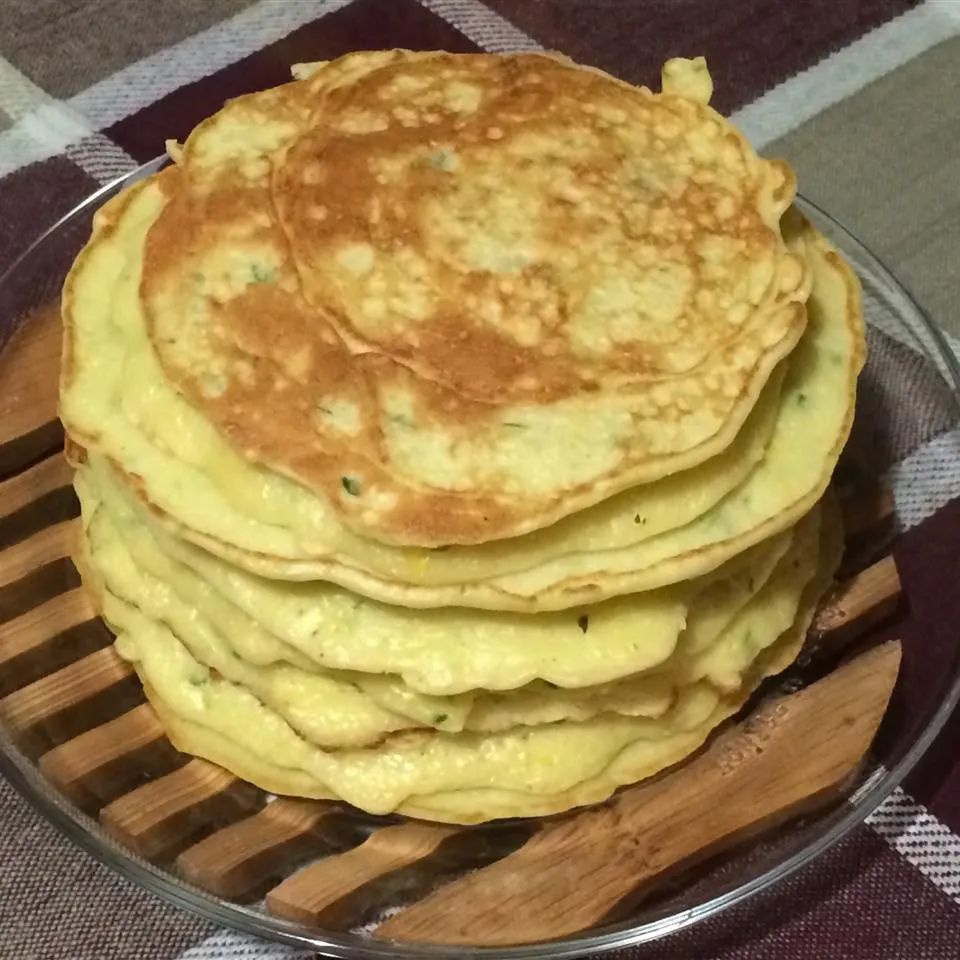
<point x="75" y="707"/>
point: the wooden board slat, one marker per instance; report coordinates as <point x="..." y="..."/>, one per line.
<point x="313" y="894"/>
<point x="160" y="818"/>
<point x="21" y="596"/>
<point x="25" y="488"/>
<point x="107" y="761"/>
<point x="66" y="688"/>
<point x="241" y="857"/>
<point x="575" y="871"/>
<point x="38" y="626"/>
<point x="30" y="374"/>
<point x="860" y="602"/>
<point x="48" y="637"/>
<point x="24" y="558"/>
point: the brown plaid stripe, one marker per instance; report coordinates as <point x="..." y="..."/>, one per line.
<point x="842" y="909"/>
<point x="750" y="45"/>
<point x="399" y="23"/>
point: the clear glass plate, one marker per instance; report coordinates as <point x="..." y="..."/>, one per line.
<point x="911" y="724"/>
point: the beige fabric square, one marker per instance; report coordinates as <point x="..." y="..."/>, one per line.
<point x="886" y="162"/>
<point x="65" y="46"/>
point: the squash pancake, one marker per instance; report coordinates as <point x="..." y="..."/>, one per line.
<point x="442" y="364"/>
<point x="116" y="400"/>
<point x="467" y="777"/>
<point x="453" y="434"/>
<point x="448" y="651"/>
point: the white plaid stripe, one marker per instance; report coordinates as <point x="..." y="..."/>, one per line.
<point x="103" y="159"/>
<point x="483" y="26"/>
<point x="20" y="96"/>
<point x="844" y="73"/>
<point x="41" y="122"/>
<point x="146" y="81"/>
<point x="921" y="839"/>
<point x="43" y="131"/>
<point x="229" y="945"/>
<point x="884" y="305"/>
<point x="927" y="479"/>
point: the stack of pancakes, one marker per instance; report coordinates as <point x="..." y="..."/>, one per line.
<point x="453" y="433"/>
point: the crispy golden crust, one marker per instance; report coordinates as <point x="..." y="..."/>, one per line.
<point x="558" y="573"/>
<point x="551" y="154"/>
<point x="463" y="297"/>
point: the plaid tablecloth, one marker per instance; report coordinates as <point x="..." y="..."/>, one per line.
<point x="863" y="98"/>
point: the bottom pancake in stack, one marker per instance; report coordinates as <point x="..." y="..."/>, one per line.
<point x="229" y="690"/>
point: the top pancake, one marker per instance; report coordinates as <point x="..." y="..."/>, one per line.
<point x="116" y="402"/>
<point x="462" y="297"/>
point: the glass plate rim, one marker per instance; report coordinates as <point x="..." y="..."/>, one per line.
<point x="87" y="834"/>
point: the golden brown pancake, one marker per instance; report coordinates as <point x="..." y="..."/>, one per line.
<point x="558" y="327"/>
<point x="116" y="401"/>
<point x="461" y="297"/>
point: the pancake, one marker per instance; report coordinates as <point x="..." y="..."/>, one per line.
<point x="115" y="400"/>
<point x="340" y="708"/>
<point x="377" y="778"/>
<point x="758" y="622"/>
<point x="642" y="758"/>
<point x="814" y="421"/>
<point x="465" y="777"/>
<point x="441" y="364"/>
<point x="646" y="758"/>
<point x="453" y="433"/>
<point x="334" y="708"/>
<point x="450" y="651"/>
